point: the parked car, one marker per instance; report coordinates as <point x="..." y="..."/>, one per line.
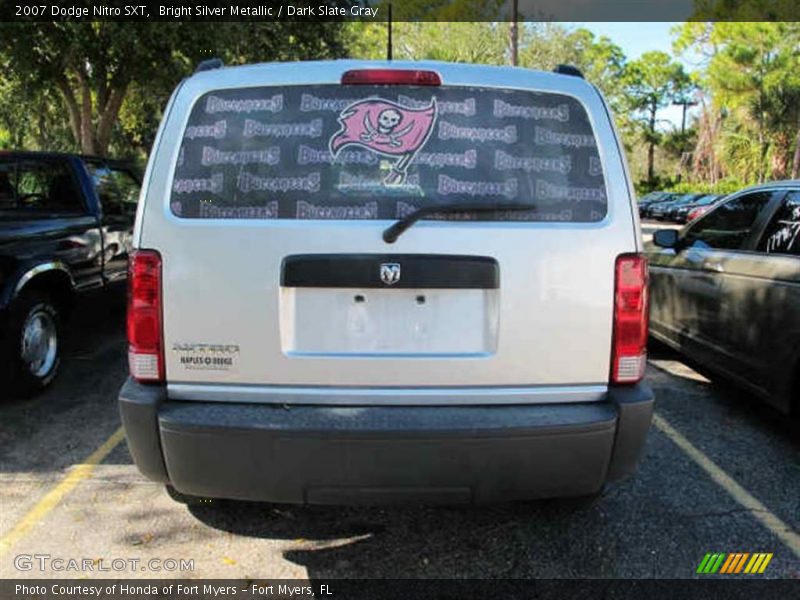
<point x="66" y="224"/>
<point x="726" y="290"/>
<point x="660" y="210"/>
<point x="650" y="208"/>
<point x="678" y="210"/>
<point x="699" y="207"/>
<point x="652" y="199"/>
<point x="349" y="286"/>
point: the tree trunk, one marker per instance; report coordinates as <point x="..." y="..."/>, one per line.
<point x="88" y="145"/>
<point x="762" y="137"/>
<point x="513" y="32"/>
<point x="651" y="148"/>
<point x="81" y="108"/>
<point x="72" y="108"/>
<point x="796" y="159"/>
<point x="108" y="117"/>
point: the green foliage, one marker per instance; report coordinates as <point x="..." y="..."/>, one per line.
<point x="652" y="82"/>
<point x="546" y="45"/>
<point x="725" y="186"/>
<point x="751" y="70"/>
<point x="479" y="43"/>
<point x="30" y="116"/>
<point x="676" y="144"/>
<point x="100" y="72"/>
<point x="101" y="87"/>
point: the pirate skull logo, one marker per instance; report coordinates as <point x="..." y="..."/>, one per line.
<point x="388" y="120"/>
<point x="387" y="130"/>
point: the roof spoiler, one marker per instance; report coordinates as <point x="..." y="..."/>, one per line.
<point x="209" y="65"/>
<point x="568" y="70"/>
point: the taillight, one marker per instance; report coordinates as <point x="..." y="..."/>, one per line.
<point x="390" y="77"/>
<point x="629" y="351"/>
<point x="145" y="347"/>
<point x="693" y="214"/>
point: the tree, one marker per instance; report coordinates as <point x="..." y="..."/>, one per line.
<point x="651" y="82"/>
<point x="93" y="66"/>
<point x="30" y="116"/>
<point x="752" y="71"/>
<point x="602" y="62"/>
<point x="479" y="43"/>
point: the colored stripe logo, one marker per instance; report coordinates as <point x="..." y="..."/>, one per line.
<point x="734" y="563"/>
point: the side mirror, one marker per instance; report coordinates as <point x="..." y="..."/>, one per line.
<point x="666" y="238"/>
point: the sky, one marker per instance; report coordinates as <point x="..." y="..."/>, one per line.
<point x="636" y="38"/>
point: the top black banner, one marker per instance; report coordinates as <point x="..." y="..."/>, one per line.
<point x="405" y="10"/>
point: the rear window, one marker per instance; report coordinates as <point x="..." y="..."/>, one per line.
<point x="381" y="152"/>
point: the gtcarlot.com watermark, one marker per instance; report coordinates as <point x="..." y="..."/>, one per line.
<point x="47" y="562"/>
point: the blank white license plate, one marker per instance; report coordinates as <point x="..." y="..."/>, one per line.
<point x="408" y="322"/>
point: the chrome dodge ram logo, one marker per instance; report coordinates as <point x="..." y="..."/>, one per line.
<point x="390" y="273"/>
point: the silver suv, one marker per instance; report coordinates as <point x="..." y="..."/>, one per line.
<point x="386" y="282"/>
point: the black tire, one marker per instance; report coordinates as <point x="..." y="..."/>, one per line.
<point x="19" y="376"/>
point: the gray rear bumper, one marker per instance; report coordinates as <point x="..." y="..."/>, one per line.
<point x="348" y="455"/>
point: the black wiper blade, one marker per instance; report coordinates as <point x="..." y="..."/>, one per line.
<point x="396" y="229"/>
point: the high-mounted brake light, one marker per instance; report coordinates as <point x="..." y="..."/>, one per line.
<point x="145" y="347"/>
<point x="629" y="346"/>
<point x="390" y="77"/>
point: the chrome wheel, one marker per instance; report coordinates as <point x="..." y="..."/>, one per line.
<point x="39" y="347"/>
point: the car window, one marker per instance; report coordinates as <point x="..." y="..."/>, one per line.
<point x="117" y="188"/>
<point x="383" y="152"/>
<point x="38" y="188"/>
<point x="706" y="200"/>
<point x="8" y="196"/>
<point x="782" y="235"/>
<point x="728" y="226"/>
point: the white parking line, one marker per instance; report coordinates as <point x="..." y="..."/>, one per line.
<point x="780" y="529"/>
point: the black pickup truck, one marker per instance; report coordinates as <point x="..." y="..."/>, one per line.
<point x="66" y="225"/>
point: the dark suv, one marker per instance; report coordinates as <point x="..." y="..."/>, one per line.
<point x="66" y="226"/>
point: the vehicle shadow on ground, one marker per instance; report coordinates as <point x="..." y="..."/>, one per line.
<point x="419" y="541"/>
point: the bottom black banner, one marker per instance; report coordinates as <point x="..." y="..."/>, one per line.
<point x="391" y="589"/>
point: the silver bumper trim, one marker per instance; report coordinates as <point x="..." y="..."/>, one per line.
<point x="353" y="396"/>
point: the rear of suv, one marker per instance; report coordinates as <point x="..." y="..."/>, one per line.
<point x="363" y="282"/>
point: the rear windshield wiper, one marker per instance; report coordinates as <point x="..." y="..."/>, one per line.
<point x="396" y="229"/>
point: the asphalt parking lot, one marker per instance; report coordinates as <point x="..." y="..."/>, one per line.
<point x="721" y="473"/>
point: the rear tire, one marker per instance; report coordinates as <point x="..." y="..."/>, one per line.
<point x="30" y="352"/>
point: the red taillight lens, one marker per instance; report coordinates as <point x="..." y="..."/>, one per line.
<point x="629" y="351"/>
<point x="694" y="213"/>
<point x="390" y="77"/>
<point x="145" y="347"/>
